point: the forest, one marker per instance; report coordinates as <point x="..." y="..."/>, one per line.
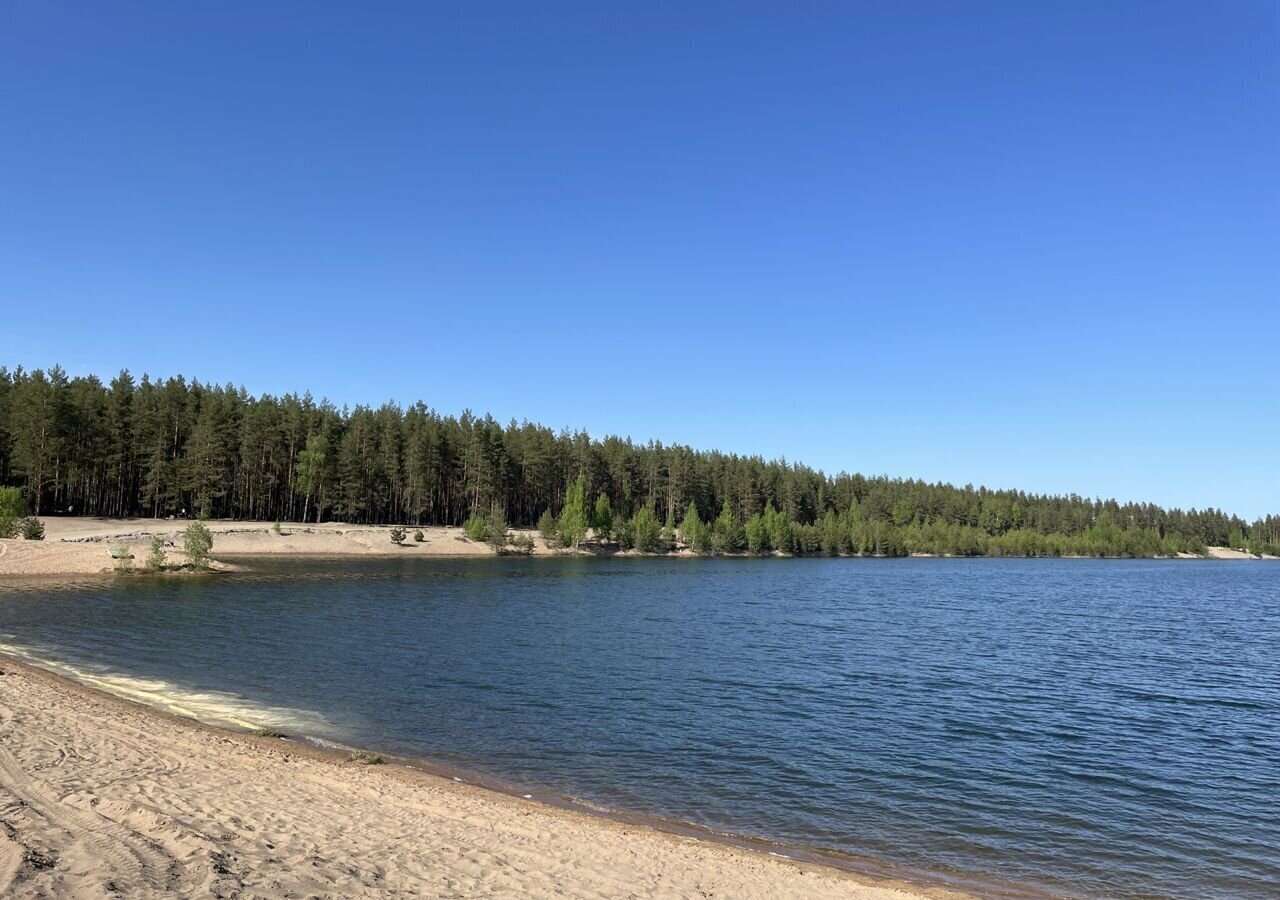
<point x="172" y="447"/>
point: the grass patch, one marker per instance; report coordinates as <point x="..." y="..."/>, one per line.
<point x="269" y="732"/>
<point x="365" y="758"/>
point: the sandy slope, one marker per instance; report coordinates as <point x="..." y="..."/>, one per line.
<point x="100" y="797"/>
<point x="1227" y="553"/>
<point x="80" y="546"/>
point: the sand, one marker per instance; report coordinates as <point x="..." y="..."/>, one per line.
<point x="1228" y="553"/>
<point x="102" y="797"/>
<point x="81" y="546"/>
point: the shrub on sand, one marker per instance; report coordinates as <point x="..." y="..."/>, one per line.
<point x="123" y="557"/>
<point x="548" y="527"/>
<point x="197" y="541"/>
<point x="156" y="558"/>
<point x="496" y="528"/>
<point x="12" y="510"/>
<point x="476" y="528"/>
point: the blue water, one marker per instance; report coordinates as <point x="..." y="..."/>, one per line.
<point x="1085" y="727"/>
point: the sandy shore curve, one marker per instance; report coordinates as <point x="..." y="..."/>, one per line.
<point x="101" y="796"/>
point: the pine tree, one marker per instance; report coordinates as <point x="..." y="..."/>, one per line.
<point x="645" y="530"/>
<point x="756" y="534"/>
<point x="573" y="516"/>
<point x="309" y="474"/>
<point x="151" y="447"/>
<point x="603" y="518"/>
<point x="692" y="531"/>
<point x="496" y="533"/>
<point x="833" y="534"/>
<point x="779" y="529"/>
<point x="728" y="533"/>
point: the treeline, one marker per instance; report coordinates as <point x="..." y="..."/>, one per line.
<point x="143" y="447"/>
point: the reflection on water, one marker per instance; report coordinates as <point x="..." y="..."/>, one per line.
<point x="1094" y="727"/>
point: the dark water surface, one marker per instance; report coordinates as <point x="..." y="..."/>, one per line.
<point x="1090" y="727"/>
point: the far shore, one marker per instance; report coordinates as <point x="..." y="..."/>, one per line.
<point x="107" y="797"/>
<point x="79" y="546"/>
<point x="82" y="546"/>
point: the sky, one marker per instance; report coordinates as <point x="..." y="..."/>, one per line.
<point x="1016" y="244"/>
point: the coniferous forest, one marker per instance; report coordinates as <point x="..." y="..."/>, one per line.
<point x="142" y="447"/>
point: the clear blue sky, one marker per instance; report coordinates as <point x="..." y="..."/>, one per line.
<point x="1021" y="244"/>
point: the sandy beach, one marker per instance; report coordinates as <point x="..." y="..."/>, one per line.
<point x="81" y="546"/>
<point x="100" y="796"/>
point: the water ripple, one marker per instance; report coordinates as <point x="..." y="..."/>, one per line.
<point x="1087" y="727"/>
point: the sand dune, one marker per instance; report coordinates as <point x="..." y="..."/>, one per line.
<point x="99" y="796"/>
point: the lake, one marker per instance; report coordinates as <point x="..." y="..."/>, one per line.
<point x="1081" y="727"/>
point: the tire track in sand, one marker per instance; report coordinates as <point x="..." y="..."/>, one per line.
<point x="129" y="860"/>
<point x="10" y="856"/>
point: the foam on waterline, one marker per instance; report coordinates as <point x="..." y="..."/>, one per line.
<point x="211" y="707"/>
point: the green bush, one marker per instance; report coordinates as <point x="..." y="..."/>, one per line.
<point x="727" y="532"/>
<point x="156" y="558"/>
<point x="602" y="518"/>
<point x="32" y="529"/>
<point x="12" y="505"/>
<point x="418" y="536"/>
<point x="365" y="758"/>
<point x="13" y="512"/>
<point x="197" y="541"/>
<point x="645" y="530"/>
<point x="757" y="535"/>
<point x="692" y="530"/>
<point x="778" y="532"/>
<point x="522" y="543"/>
<point x="548" y="527"/>
<point x="625" y="534"/>
<point x="832" y="534"/>
<point x="807" y="540"/>
<point x="123" y="557"/>
<point x="397" y="536"/>
<point x="573" y="516"/>
<point x="476" y="528"/>
<point x="496" y="528"/>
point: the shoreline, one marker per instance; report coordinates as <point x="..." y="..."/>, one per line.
<point x="80" y="546"/>
<point x="847" y="875"/>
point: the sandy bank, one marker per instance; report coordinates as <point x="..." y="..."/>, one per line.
<point x="81" y="546"/>
<point x="101" y="796"/>
<point x="1228" y="553"/>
